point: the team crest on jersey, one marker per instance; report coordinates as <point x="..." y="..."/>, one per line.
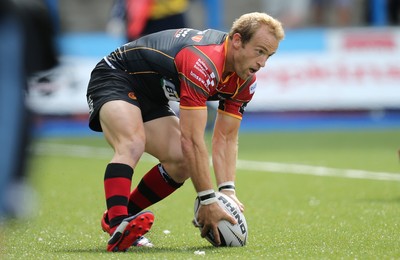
<point x="197" y="38"/>
<point x="132" y="95"/>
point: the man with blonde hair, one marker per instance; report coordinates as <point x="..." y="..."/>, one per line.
<point x="128" y="97"/>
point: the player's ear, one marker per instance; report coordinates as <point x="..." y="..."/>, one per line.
<point x="237" y="40"/>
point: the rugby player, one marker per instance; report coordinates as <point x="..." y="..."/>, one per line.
<point x="128" y="97"/>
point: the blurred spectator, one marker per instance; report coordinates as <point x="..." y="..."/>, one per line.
<point x="342" y="12"/>
<point x="53" y="9"/>
<point x="382" y="12"/>
<point x="26" y="47"/>
<point x="292" y="14"/>
<point x="142" y="17"/>
<point x="393" y="7"/>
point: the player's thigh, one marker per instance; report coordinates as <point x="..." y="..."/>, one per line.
<point x="123" y="128"/>
<point x="163" y="138"/>
<point x="163" y="141"/>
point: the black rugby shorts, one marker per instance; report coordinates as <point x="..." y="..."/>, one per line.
<point x="107" y="84"/>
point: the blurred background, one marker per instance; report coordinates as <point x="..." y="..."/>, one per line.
<point x="337" y="68"/>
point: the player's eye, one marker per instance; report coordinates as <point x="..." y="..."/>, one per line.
<point x="260" y="52"/>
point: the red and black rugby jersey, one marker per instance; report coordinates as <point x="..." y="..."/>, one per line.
<point x="191" y="64"/>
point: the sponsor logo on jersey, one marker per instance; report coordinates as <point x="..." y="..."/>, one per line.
<point x="206" y="78"/>
<point x="90" y="103"/>
<point x="221" y="97"/>
<point x="210" y="81"/>
<point x="182" y="32"/>
<point x="170" y="90"/>
<point x="253" y="88"/>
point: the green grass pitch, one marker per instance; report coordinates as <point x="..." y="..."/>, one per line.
<point x="290" y="215"/>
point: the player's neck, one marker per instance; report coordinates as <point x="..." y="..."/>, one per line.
<point x="228" y="66"/>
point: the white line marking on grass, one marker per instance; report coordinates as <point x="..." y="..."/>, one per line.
<point x="291" y="168"/>
<point x="72" y="150"/>
<point x="82" y="151"/>
<point x="271" y="167"/>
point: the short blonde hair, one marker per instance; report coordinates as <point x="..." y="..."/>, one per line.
<point x="247" y="24"/>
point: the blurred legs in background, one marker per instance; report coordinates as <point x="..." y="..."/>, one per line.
<point x="293" y="14"/>
<point x="336" y="12"/>
<point x="13" y="113"/>
<point x="26" y="47"/>
<point x="136" y="18"/>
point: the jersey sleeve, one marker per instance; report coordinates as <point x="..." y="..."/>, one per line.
<point x="197" y="78"/>
<point x="235" y="106"/>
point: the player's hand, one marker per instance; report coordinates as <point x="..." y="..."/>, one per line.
<point x="232" y="195"/>
<point x="208" y="218"/>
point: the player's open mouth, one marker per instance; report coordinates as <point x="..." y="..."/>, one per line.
<point x="252" y="70"/>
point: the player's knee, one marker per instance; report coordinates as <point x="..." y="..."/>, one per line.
<point x="132" y="148"/>
<point x="177" y="169"/>
<point x="183" y="171"/>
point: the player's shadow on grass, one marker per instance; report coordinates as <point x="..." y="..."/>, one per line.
<point x="140" y="250"/>
<point x="165" y="249"/>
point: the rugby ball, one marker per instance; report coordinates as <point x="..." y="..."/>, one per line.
<point x="230" y="235"/>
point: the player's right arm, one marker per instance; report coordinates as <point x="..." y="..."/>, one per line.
<point x="193" y="122"/>
<point x="193" y="119"/>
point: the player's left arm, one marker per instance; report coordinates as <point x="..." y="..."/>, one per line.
<point x="225" y="151"/>
<point x="226" y="137"/>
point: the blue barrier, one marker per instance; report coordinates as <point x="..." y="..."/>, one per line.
<point x="95" y="44"/>
<point x="378" y="12"/>
<point x="98" y="44"/>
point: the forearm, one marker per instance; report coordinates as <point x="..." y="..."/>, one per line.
<point x="196" y="154"/>
<point x="225" y="148"/>
<point x="194" y="148"/>
<point x="224" y="157"/>
<point x="224" y="153"/>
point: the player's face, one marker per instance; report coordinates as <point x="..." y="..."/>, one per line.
<point x="249" y="58"/>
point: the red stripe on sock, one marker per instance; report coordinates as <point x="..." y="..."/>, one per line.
<point x="156" y="183"/>
<point x="117" y="187"/>
<point x="117" y="211"/>
<point x="140" y="200"/>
